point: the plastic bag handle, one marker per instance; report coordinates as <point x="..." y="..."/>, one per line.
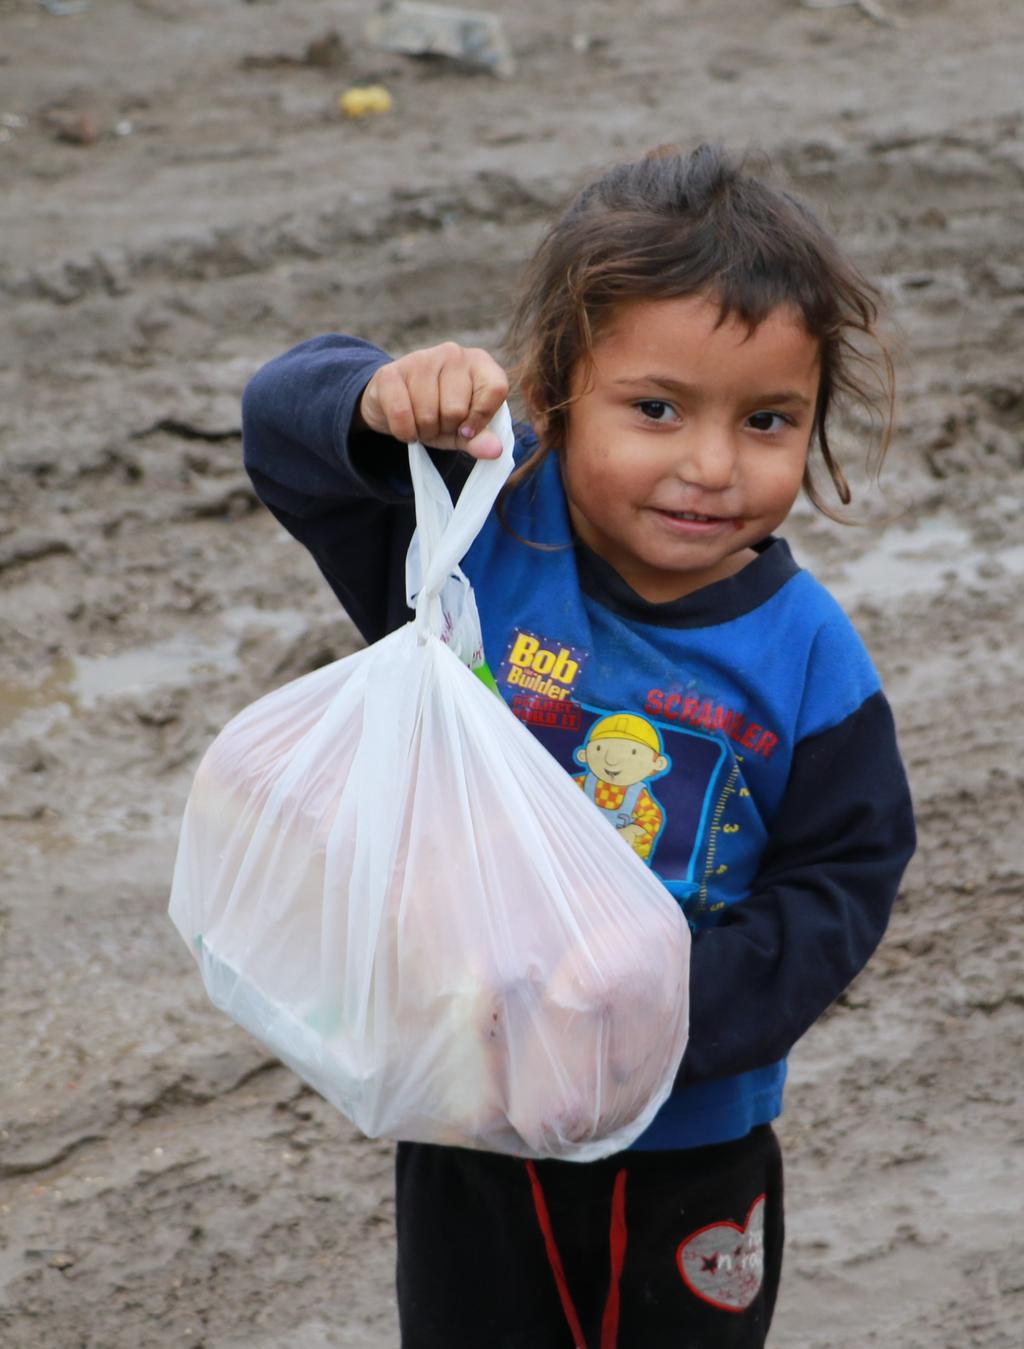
<point x="445" y="533"/>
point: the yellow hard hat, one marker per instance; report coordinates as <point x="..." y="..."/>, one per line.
<point x="626" y="726"/>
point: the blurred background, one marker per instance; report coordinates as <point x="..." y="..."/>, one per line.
<point x="184" y="196"/>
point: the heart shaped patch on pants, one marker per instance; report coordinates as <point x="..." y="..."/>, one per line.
<point x="723" y="1264"/>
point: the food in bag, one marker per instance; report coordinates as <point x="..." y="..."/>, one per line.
<point x="390" y="882"/>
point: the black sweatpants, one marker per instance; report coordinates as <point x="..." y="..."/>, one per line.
<point x="638" y="1251"/>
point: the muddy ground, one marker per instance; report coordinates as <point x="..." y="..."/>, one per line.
<point x="181" y="200"/>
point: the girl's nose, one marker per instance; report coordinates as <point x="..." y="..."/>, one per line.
<point x="710" y="459"/>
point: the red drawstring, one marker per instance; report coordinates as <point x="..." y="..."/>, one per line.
<point x="554" y="1259"/>
<point x="617" y="1243"/>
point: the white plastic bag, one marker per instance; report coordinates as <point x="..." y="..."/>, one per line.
<point x="393" y="885"/>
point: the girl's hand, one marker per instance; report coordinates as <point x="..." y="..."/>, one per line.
<point x="442" y="396"/>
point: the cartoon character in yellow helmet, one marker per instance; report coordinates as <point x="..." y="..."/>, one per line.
<point x="621" y="753"/>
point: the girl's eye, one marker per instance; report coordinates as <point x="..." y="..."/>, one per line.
<point x="768" y="421"/>
<point x="655" y="410"/>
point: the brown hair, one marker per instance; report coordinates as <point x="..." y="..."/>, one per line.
<point x="675" y="224"/>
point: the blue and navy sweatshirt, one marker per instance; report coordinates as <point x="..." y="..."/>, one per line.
<point x="776" y="810"/>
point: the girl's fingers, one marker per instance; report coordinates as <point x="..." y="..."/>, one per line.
<point x="486" y="445"/>
<point x="455" y="398"/>
<point x="423" y="384"/>
<point x="387" y="406"/>
<point x="490" y="389"/>
<point x="441" y="389"/>
<point x="443" y="396"/>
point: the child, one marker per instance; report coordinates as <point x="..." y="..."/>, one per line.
<point x="682" y="336"/>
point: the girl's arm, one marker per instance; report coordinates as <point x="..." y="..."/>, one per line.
<point x="818" y="908"/>
<point x="324" y="431"/>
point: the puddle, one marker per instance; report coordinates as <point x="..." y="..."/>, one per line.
<point x="145" y="669"/>
<point x="935" y="555"/>
<point x="74" y="685"/>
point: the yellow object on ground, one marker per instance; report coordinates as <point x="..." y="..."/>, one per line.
<point x="362" y="100"/>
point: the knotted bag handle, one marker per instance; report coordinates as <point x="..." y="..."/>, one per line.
<point x="438" y="589"/>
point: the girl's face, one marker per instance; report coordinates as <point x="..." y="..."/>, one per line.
<point x="687" y="442"/>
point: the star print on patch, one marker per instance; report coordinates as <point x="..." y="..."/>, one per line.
<point x="723" y="1263"/>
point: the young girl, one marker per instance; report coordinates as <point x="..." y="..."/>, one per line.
<point x="683" y="334"/>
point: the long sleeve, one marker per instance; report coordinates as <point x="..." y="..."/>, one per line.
<point x="345" y="498"/>
<point x="820" y="903"/>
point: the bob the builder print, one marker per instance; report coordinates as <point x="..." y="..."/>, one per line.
<point x="622" y="754"/>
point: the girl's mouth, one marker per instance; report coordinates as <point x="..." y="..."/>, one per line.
<point x="696" y="522"/>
